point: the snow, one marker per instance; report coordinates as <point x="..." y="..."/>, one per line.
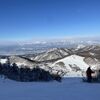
<point x="80" y="46"/>
<point x="92" y="53"/>
<point x="51" y="54"/>
<point x="71" y="64"/>
<point x="74" y="60"/>
<point x="68" y="89"/>
<point x="73" y="74"/>
<point x="3" y="61"/>
<point x="20" y="64"/>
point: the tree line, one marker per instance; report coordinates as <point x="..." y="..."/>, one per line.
<point x="13" y="72"/>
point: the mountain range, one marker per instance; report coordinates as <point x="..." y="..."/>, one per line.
<point x="34" y="47"/>
<point x="63" y="61"/>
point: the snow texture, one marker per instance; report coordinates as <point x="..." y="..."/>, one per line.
<point x="68" y="89"/>
<point x="74" y="60"/>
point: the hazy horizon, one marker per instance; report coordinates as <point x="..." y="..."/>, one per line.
<point x="48" y="40"/>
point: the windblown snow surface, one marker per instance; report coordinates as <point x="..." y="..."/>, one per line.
<point x="68" y="89"/>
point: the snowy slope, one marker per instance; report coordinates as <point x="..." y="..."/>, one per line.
<point x="51" y="54"/>
<point x="68" y="89"/>
<point x="70" y="66"/>
<point x="74" y="60"/>
<point x="21" y="61"/>
<point x="73" y="65"/>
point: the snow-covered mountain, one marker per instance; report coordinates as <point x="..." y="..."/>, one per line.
<point x="22" y="62"/>
<point x="53" y="54"/>
<point x="73" y="65"/>
<point x="62" y="61"/>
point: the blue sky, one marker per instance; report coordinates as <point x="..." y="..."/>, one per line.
<point x="43" y="19"/>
